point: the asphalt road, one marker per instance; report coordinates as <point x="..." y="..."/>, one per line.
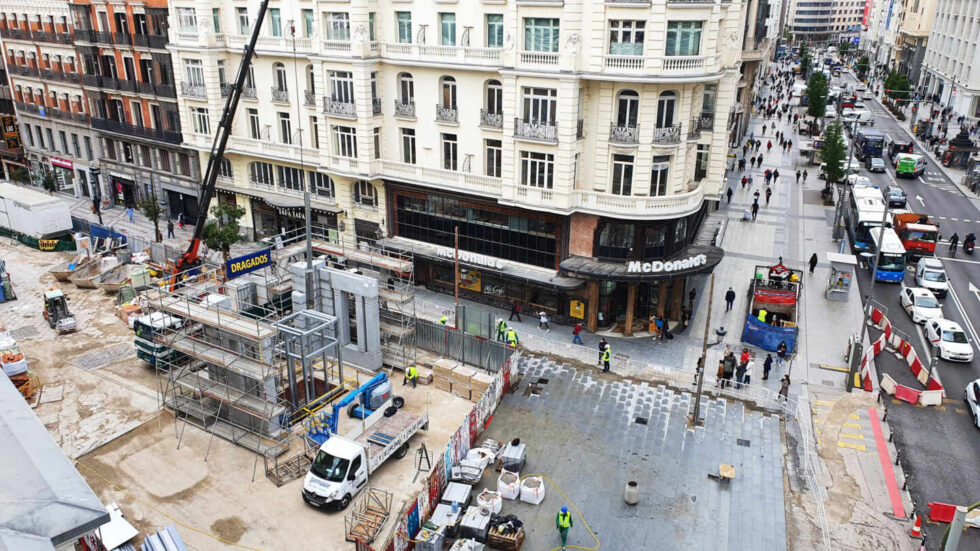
<point x="940" y="447"/>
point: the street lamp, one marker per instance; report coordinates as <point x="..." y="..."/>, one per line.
<point x="859" y="345"/>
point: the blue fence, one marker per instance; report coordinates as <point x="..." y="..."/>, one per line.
<point x="768" y="337"/>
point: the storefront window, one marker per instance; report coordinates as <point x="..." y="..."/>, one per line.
<point x="654" y="246"/>
<point x="616" y="240"/>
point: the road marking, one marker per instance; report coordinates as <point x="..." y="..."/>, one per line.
<point x="852" y="425"/>
<point x="853" y="416"/>
<point x="819" y="420"/>
<point x="824" y="402"/>
<point x="898" y="509"/>
<point x="835" y="368"/>
<point x="941" y="408"/>
<point x="966" y="318"/>
<point x="951" y="401"/>
<point x="852" y="446"/>
<point x="852" y="436"/>
<point x="961" y="411"/>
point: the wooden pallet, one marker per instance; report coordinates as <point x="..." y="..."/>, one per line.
<point x="509" y="542"/>
<point x="368" y="516"/>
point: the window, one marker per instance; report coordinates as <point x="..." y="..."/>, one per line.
<point x="186" y="18"/>
<point x="372" y="34"/>
<point x="254" y="127"/>
<point x="540" y="105"/>
<point x="701" y="163"/>
<point x="495" y="97"/>
<point x="665" y="109"/>
<point x="364" y="194"/>
<point x="338" y="26"/>
<point x="307" y="23"/>
<point x="406" y="88"/>
<point x="51" y="140"/>
<point x="224" y="169"/>
<point x="626" y="37"/>
<point x="658" y="180"/>
<point x="321" y="184"/>
<point x="540" y="34"/>
<point x="89" y="154"/>
<point x="683" y="38"/>
<point x="64" y="142"/>
<point x="403" y="20"/>
<point x="345" y="141"/>
<point x="75" y="146"/>
<point x="377" y="143"/>
<point x="243" y="24"/>
<point x="448" y="87"/>
<point x="449" y="151"/>
<point x="216" y="19"/>
<point x="627" y="108"/>
<point x="290" y="178"/>
<point x="708" y="98"/>
<point x="408" y="145"/>
<point x="537" y="169"/>
<point x="680" y="230"/>
<point x="280" y="77"/>
<point x="194" y="72"/>
<point x="163" y="160"/>
<point x="29" y="134"/>
<point x="495" y="30"/>
<point x="145" y="158"/>
<point x="260" y="173"/>
<point x="199" y="116"/>
<point x="285" y="129"/>
<point x="314" y="133"/>
<point x="622" y="181"/>
<point x="275" y="22"/>
<point x="222" y="74"/>
<point x="447" y="29"/>
<point x="495" y="155"/>
<point x="341" y="86"/>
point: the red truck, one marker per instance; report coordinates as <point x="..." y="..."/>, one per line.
<point x="918" y="232"/>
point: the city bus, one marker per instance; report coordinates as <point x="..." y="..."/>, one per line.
<point x="889" y="265"/>
<point x="864" y="213"/>
<point x="868" y="143"/>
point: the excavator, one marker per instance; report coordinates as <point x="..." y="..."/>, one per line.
<point x="189" y="262"/>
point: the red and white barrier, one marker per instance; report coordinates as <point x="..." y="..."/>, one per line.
<point x="934" y="393"/>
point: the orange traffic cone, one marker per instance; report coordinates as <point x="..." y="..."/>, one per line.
<point x="916" y="531"/>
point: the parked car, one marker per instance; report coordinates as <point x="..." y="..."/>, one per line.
<point x="929" y="273"/>
<point x="949" y="340"/>
<point x="875" y="164"/>
<point x="920" y="304"/>
<point x="895" y="196"/>
<point x="850" y="168"/>
<point x="972" y="398"/>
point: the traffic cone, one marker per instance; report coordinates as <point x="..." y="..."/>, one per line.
<point x="916" y="531"/>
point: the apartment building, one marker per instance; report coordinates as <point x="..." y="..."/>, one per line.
<point x="913" y="35"/>
<point x="951" y="67"/>
<point x="882" y="35"/>
<point x="127" y="76"/>
<point x="576" y="147"/>
<point x="822" y="21"/>
<point x="759" y="36"/>
<point x="11" y="148"/>
<point x="49" y="101"/>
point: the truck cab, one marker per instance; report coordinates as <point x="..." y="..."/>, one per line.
<point x="338" y="472"/>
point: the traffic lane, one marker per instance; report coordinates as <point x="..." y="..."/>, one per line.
<point x="961" y="304"/>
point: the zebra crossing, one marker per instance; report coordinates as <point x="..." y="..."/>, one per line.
<point x="938" y="181"/>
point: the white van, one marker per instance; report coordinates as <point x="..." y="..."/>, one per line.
<point x="861" y="116"/>
<point x="929" y="273"/>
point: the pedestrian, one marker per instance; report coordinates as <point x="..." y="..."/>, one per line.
<point x="691" y="296"/>
<point x="752" y="162"/>
<point x="543" y="321"/>
<point x="750" y="180"/>
<point x="744" y="181"/>
<point x="766" y="366"/>
<point x="804" y="176"/>
<point x="729" y="298"/>
<point x="576" y="334"/>
<point x="563" y="521"/>
<point x="512" y="339"/>
<point x="741" y="165"/>
<point x="515" y="310"/>
<point x="749" y="369"/>
<point x="798" y="174"/>
<point x="411" y="374"/>
<point x="784" y="388"/>
<point x="813" y="262"/>
<point x="180" y="220"/>
<point x="755" y="210"/>
<point x="740" y="374"/>
<point x="760" y="160"/>
<point x="789" y="145"/>
<point x="775" y="176"/>
<point x="768" y="176"/>
<point x="769" y="145"/>
<point x="501" y="330"/>
<point x="170" y="229"/>
<point x="602" y="348"/>
<point x="780" y="353"/>
<point x="606" y="356"/>
<point x="768" y="194"/>
<point x="729" y="369"/>
<point x="763" y="129"/>
<point x="661" y="327"/>
<point x="729" y="194"/>
<point x="755" y="197"/>
<point x="129" y="213"/>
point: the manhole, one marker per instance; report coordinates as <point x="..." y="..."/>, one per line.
<point x="743" y="443"/>
<point x="640" y="420"/>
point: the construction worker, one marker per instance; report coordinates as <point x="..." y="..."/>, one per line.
<point x="444" y="320"/>
<point x="606" y="355"/>
<point x="563" y="521"/>
<point x="411" y="374"/>
<point x="762" y="315"/>
<point x="501" y="329"/>
<point x="512" y="338"/>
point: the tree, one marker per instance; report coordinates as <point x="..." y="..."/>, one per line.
<point x="805" y="60"/>
<point x="788" y="34"/>
<point x="897" y="86"/>
<point x="862" y="67"/>
<point x="816" y="93"/>
<point x="844" y="47"/>
<point x="221" y="232"/>
<point x="20" y="174"/>
<point x="833" y="153"/>
<point x="49" y="182"/>
<point x="151" y="208"/>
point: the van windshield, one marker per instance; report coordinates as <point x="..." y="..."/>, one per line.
<point x="329" y="468"/>
<point x="938" y="277"/>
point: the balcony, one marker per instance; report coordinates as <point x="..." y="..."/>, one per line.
<point x="103" y="38"/>
<point x="24" y="70"/>
<point x="405" y="110"/>
<point x="535" y="130"/>
<point x="309" y="98"/>
<point x="15" y="33"/>
<point x="462" y="55"/>
<point x="690" y="2"/>
<point x="226" y="88"/>
<point x="122" y="38"/>
<point x="108" y="125"/>
<point x="491" y="120"/>
<point x="540" y="59"/>
<point x="193" y="90"/>
<point x="375" y="106"/>
<point x="84" y="35"/>
<point x="62" y="38"/>
<point x="281" y="96"/>
<point x="438" y="178"/>
<point x="336" y="47"/>
<point x="624" y="133"/>
<point x="275" y="43"/>
<point x="335" y="108"/>
<point x="127" y="85"/>
<point x="660" y="65"/>
<point x="706" y="121"/>
<point x="144" y="87"/>
<point x="624" y="62"/>
<point x="694" y="131"/>
<point x="667" y="135"/>
<point x="629" y="2"/>
<point x="249" y="93"/>
<point x="665" y="206"/>
<point x="446" y="114"/>
<point x="264" y="148"/>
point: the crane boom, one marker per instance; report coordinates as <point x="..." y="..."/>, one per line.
<point x="190" y="257"/>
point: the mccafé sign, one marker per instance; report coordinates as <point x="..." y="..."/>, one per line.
<point x="658" y="266"/>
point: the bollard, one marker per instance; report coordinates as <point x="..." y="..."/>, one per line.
<point x="884" y="417"/>
<point x="956" y="529"/>
<point x="896" y="456"/>
<point x="632" y="493"/>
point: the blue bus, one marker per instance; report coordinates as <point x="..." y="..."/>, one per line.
<point x="889" y="263"/>
<point x="869" y="143"/>
<point x="864" y="213"/>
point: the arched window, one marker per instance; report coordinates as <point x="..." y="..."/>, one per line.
<point x="627" y="108"/>
<point x="280" y="77"/>
<point x="261" y="173"/>
<point x="364" y="194"/>
<point x="666" y="105"/>
<point x="224" y="169"/>
<point x="447" y="87"/>
<point x="406" y="88"/>
<point x="494" y="103"/>
<point x="310" y="81"/>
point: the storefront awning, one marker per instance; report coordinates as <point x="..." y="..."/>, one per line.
<point x="695" y="259"/>
<point x="483" y="263"/>
<point x="281" y="201"/>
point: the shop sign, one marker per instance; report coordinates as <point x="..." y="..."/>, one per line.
<point x="470" y="280"/>
<point x="576" y="309"/>
<point x="63" y="163"/>
<point x="494" y="289"/>
<point x="658" y="266"/>
<point x="248" y="263"/>
<point x="471" y="258"/>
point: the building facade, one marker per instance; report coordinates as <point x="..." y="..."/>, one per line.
<point x="49" y="101"/>
<point x="882" y="36"/>
<point x="823" y="21"/>
<point x="12" y="163"/>
<point x="913" y="36"/>
<point x="759" y="37"/>
<point x="951" y="67"/>
<point x="127" y="76"/>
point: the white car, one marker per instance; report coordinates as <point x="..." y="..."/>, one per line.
<point x="920" y="304"/>
<point x="929" y="273"/>
<point x="857" y="180"/>
<point x="972" y="398"/>
<point x="949" y="340"/>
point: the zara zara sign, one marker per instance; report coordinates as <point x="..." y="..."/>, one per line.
<point x="658" y="266"/>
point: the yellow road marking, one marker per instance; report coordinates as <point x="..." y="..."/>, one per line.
<point x="961" y="410"/>
<point x="852" y="435"/>
<point x="951" y="401"/>
<point x="816" y="429"/>
<point x="819" y="420"/>
<point x="941" y="408"/>
<point x="852" y="446"/>
<point x="823" y="403"/>
<point x="896" y="401"/>
<point x="853" y="416"/>
<point x="852" y="425"/>
<point x="835" y="368"/>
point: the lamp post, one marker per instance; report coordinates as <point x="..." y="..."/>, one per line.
<point x="871" y="293"/>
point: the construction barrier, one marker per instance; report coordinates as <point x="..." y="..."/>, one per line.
<point x="941" y="512"/>
<point x="934" y="393"/>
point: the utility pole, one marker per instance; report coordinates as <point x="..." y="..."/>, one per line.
<point x="871" y="294"/>
<point x="704" y="355"/>
<point x="303" y="177"/>
<point x="456" y="276"/>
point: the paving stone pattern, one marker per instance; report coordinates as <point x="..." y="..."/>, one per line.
<point x="105" y="356"/>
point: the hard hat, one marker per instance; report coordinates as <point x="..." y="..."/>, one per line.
<point x="564" y="509"/>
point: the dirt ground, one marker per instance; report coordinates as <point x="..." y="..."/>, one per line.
<point x="100" y="404"/>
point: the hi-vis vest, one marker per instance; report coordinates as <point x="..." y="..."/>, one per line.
<point x="413" y="372"/>
<point x="501" y="327"/>
<point x="511" y="336"/>
<point x="762" y="315"/>
<point x="443" y="320"/>
<point x="565" y="520"/>
<point x="606" y="354"/>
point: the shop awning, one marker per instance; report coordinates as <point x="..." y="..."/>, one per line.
<point x="694" y="259"/>
<point x="501" y="268"/>
<point x="281" y="201"/>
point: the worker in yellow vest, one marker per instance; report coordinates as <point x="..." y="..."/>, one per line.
<point x="762" y="315"/>
<point x="606" y="356"/>
<point x="411" y="374"/>
<point x="512" y="338"/>
<point x="444" y="320"/>
<point x="501" y="329"/>
<point x="563" y="521"/>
